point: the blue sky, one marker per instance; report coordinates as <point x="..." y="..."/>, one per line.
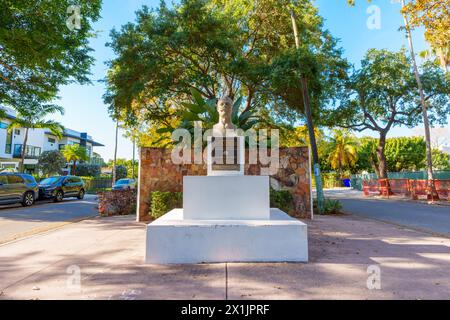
<point x="84" y="106"/>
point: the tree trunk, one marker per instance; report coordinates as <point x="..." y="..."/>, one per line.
<point x="114" y="177"/>
<point x="310" y="125"/>
<point x="74" y="167"/>
<point x="382" y="167"/>
<point x="431" y="190"/>
<point x="442" y="59"/>
<point x="374" y="164"/>
<point x="24" y="150"/>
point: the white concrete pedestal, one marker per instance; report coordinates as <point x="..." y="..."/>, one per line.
<point x="226" y="219"/>
<point x="172" y="239"/>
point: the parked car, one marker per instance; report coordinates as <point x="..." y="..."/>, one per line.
<point x="18" y="188"/>
<point x="125" y="184"/>
<point x="60" y="187"/>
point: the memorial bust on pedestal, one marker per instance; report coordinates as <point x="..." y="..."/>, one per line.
<point x="225" y="147"/>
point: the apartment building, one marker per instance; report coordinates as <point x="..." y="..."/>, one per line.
<point x="39" y="140"/>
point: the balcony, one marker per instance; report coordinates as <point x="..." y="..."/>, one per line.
<point x="31" y="152"/>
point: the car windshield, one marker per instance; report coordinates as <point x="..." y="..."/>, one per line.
<point x="51" y="180"/>
<point x="122" y="182"/>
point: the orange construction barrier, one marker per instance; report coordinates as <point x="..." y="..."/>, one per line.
<point x="371" y="186"/>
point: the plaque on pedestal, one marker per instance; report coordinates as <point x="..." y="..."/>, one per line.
<point x="226" y="155"/>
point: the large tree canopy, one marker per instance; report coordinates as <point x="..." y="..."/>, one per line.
<point x="38" y="52"/>
<point x="240" y="48"/>
<point x="383" y="94"/>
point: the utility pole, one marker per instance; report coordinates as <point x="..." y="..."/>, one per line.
<point x="134" y="156"/>
<point x="310" y="124"/>
<point x="114" y="174"/>
<point x="432" y="194"/>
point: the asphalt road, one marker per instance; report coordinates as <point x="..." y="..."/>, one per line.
<point x="18" y="222"/>
<point x="417" y="215"/>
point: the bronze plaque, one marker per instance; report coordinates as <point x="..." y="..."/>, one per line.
<point x="225" y="154"/>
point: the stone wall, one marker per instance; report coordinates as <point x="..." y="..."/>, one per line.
<point x="157" y="172"/>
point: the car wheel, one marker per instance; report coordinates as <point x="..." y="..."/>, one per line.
<point x="81" y="194"/>
<point x="59" y="196"/>
<point x="28" y="199"/>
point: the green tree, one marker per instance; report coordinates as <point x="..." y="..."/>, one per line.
<point x="51" y="162"/>
<point x="382" y="94"/>
<point x="32" y="116"/>
<point x="38" y="52"/>
<point x="342" y="151"/>
<point x="74" y="153"/>
<point x="405" y="153"/>
<point x="434" y="16"/>
<point x="441" y="160"/>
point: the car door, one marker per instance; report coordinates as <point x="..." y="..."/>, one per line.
<point x="70" y="186"/>
<point x="5" y="192"/>
<point x="17" y="186"/>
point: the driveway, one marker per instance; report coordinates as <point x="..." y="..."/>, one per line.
<point x="18" y="222"/>
<point x="413" y="214"/>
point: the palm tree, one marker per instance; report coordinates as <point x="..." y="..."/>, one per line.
<point x="74" y="153"/>
<point x="342" y="151"/>
<point x="32" y="117"/>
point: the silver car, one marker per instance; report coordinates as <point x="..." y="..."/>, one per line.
<point x="125" y="184"/>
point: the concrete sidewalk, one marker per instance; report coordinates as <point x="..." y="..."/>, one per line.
<point x="109" y="254"/>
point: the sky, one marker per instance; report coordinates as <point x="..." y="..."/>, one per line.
<point x="86" y="112"/>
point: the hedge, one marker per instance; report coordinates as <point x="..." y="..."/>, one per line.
<point x="281" y="199"/>
<point x="94" y="184"/>
<point x="163" y="202"/>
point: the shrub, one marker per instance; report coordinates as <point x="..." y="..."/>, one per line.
<point x="330" y="206"/>
<point x="163" y="202"/>
<point x="117" y="202"/>
<point x="51" y="162"/>
<point x="281" y="199"/>
<point x="88" y="170"/>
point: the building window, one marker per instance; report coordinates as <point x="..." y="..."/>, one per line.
<point x="8" y="145"/>
<point x="61" y="146"/>
<point x="51" y="140"/>
<point x="31" y="152"/>
<point x="17" y="132"/>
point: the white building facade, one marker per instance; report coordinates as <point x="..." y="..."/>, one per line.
<point x="39" y="140"/>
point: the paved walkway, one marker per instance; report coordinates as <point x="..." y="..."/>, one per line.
<point x="108" y="255"/>
<point x="413" y="214"/>
<point x="17" y="222"/>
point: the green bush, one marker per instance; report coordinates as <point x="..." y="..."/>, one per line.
<point x="51" y="162"/>
<point x="88" y="170"/>
<point x="330" y="206"/>
<point x="281" y="199"/>
<point x="163" y="202"/>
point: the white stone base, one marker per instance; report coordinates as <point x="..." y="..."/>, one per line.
<point x="170" y="239"/>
